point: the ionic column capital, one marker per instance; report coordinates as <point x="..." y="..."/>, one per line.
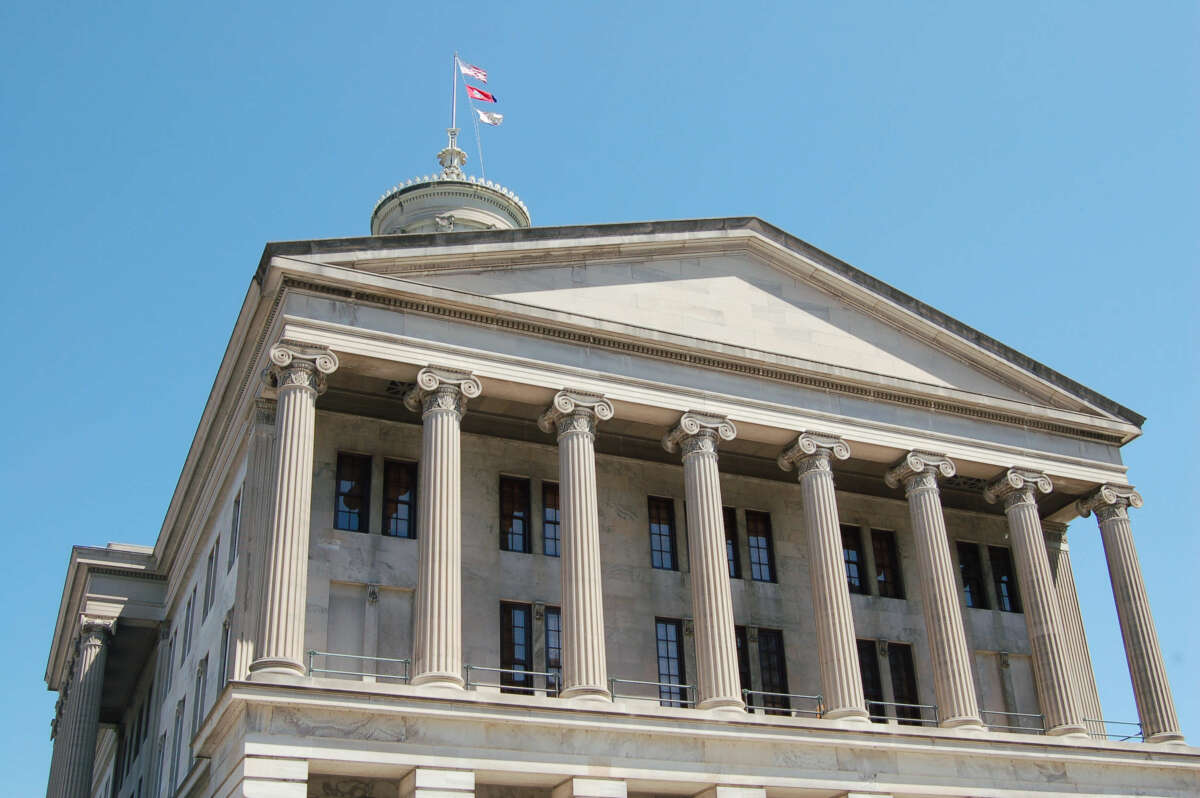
<point x="440" y="388"/>
<point x="95" y="629"/>
<point x="1110" y="501"/>
<point x="698" y="432"/>
<point x="296" y="365"/>
<point x="919" y="471"/>
<point x="575" y="411"/>
<point x="1017" y="486"/>
<point x="264" y="411"/>
<point x="812" y="452"/>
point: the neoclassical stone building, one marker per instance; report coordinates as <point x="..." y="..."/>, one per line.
<point x="666" y="508"/>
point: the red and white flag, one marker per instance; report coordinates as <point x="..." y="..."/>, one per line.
<point x="480" y="94"/>
<point x="489" y="117"/>
<point x="471" y="71"/>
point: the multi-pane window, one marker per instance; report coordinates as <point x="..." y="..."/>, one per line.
<point x="762" y="547"/>
<point x="554" y="646"/>
<point x="162" y="756"/>
<point x="852" y="552"/>
<point x="514" y="514"/>
<point x="516" y="647"/>
<point x="352" y="500"/>
<point x="669" y="637"/>
<point x="176" y="744"/>
<point x="170" y="659"/>
<point x="662" y="534"/>
<point x="223" y="662"/>
<point x="743" y="657"/>
<point x="1005" y="579"/>
<point x="887" y="564"/>
<point x="773" y="663"/>
<point x="551" y="541"/>
<point x="198" y="695"/>
<point x="731" y="542"/>
<point x="904" y="682"/>
<point x="210" y="580"/>
<point x="235" y="530"/>
<point x="868" y="666"/>
<point x="971" y="568"/>
<point x="400" y="499"/>
<point x="187" y="626"/>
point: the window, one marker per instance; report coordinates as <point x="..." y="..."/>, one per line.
<point x="743" y="656"/>
<point x="210" y="580"/>
<point x="773" y="662"/>
<point x="554" y="646"/>
<point x="223" y="663"/>
<point x="731" y="542"/>
<point x="887" y="564"/>
<point x="187" y="627"/>
<point x="352" y="500"/>
<point x="198" y="695"/>
<point x="662" y="534"/>
<point x="852" y="552"/>
<point x="516" y="647"/>
<point x="514" y="514"/>
<point x="162" y="756"/>
<point x="399" y="499"/>
<point x="904" y="682"/>
<point x="972" y="575"/>
<point x="170" y="661"/>
<point x="762" y="548"/>
<point x="550" y="519"/>
<point x="235" y="530"/>
<point x="669" y="635"/>
<point x="176" y="743"/>
<point x="1007" y="596"/>
<point x="868" y="666"/>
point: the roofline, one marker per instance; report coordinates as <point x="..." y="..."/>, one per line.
<point x="769" y="231"/>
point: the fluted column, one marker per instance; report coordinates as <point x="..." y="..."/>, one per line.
<point x="837" y="650"/>
<point x="253" y="528"/>
<point x="1043" y="616"/>
<point x="953" y="683"/>
<point x="440" y="395"/>
<point x="696" y="437"/>
<point x="83" y="712"/>
<point x="1083" y="677"/>
<point x="1156" y="707"/>
<point x="584" y="666"/>
<point x="298" y="373"/>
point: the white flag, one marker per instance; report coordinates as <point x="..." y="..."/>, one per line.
<point x="489" y="117"/>
<point x="471" y="71"/>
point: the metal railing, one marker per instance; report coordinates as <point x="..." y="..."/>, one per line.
<point x="685" y="691"/>
<point x="530" y="689"/>
<point x="902" y="713"/>
<point x="1133" y="730"/>
<point x="769" y="708"/>
<point x="1019" y="726"/>
<point x="402" y="676"/>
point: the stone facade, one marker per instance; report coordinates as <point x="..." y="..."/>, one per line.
<point x="718" y="373"/>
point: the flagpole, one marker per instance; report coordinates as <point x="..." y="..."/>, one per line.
<point x="454" y="92"/>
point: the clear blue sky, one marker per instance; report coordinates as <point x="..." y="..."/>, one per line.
<point x="1030" y="168"/>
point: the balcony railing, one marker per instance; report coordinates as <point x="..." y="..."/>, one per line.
<point x="682" y="695"/>
<point x="900" y="712"/>
<point x="782" y="703"/>
<point x="1026" y="722"/>
<point x="1125" y="731"/>
<point x="550" y="681"/>
<point x="403" y="666"/>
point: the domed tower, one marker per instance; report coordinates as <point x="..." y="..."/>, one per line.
<point x="448" y="202"/>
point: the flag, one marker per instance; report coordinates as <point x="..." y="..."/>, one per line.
<point x="471" y="71"/>
<point x="480" y="94"/>
<point x="489" y="117"/>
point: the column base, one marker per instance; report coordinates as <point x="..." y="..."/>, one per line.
<point x="276" y="669"/>
<point x="1166" y="737"/>
<point x="965" y="722"/>
<point x="446" y="681"/>
<point x="587" y="692"/>
<point x="853" y="714"/>
<point x="1069" y="730"/>
<point x="735" y="704"/>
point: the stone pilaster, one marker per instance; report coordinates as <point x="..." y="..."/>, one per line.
<point x="584" y="665"/>
<point x="78" y="738"/>
<point x="1083" y="677"/>
<point x="298" y="372"/>
<point x="953" y="683"/>
<point x="271" y="777"/>
<point x="837" y="650"/>
<point x="590" y="788"/>
<point x="1156" y="707"/>
<point x="440" y="395"/>
<point x="438" y="783"/>
<point x="696" y="437"/>
<point x="253" y="529"/>
<point x="1043" y="617"/>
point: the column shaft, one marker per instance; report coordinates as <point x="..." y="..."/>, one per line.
<point x="254" y="526"/>
<point x="84" y="717"/>
<point x="1083" y="677"/>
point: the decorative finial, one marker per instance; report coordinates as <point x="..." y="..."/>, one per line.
<point x="452" y="158"/>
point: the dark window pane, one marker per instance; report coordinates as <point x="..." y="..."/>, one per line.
<point x="971" y="569"/>
<point x="550" y="519"/>
<point x="352" y="501"/>
<point x="731" y="545"/>
<point x="1007" y="595"/>
<point x="554" y="646"/>
<point x="662" y="534"/>
<point x="514" y="514"/>
<point x="887" y="564"/>
<point x="516" y="645"/>
<point x="904" y="682"/>
<point x="669" y="634"/>
<point x="400" y="499"/>
<point x="852" y="551"/>
<point x="773" y="662"/>
<point x="868" y="666"/>
<point x="743" y="656"/>
<point x="761" y="545"/>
